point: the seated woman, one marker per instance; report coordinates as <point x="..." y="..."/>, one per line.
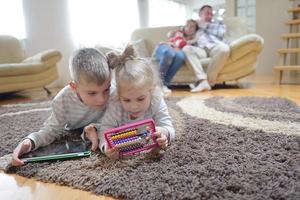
<point x="170" y="55"/>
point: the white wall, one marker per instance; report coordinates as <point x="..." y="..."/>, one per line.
<point x="270" y="18"/>
<point x="196" y="4"/>
<point x="47" y="27"/>
<point x="230" y="8"/>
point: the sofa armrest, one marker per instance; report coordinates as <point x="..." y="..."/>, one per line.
<point x="52" y="56"/>
<point x="15" y="69"/>
<point x="245" y="45"/>
<point x="249" y="38"/>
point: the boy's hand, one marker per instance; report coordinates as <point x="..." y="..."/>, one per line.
<point x="22" y="148"/>
<point x="161" y="137"/>
<point x="112" y="153"/>
<point x="91" y="134"/>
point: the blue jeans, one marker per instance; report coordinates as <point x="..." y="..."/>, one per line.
<point x="170" y="60"/>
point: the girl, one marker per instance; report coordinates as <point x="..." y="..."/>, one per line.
<point x="137" y="97"/>
<point x="185" y="35"/>
<point x="170" y="55"/>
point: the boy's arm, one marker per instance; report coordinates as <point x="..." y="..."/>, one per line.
<point x="23" y="147"/>
<point x="53" y="127"/>
<point x="90" y="134"/>
<point x="50" y="131"/>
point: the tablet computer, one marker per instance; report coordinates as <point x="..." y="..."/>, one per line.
<point x="65" y="148"/>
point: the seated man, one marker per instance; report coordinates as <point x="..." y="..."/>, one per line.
<point x="210" y="43"/>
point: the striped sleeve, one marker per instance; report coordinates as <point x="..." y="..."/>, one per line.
<point x="53" y="126"/>
<point x="111" y="119"/>
<point x="162" y="117"/>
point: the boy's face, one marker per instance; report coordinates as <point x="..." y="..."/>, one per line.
<point x="135" y="100"/>
<point x="93" y="95"/>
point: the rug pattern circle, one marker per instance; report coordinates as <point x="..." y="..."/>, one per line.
<point x="210" y="158"/>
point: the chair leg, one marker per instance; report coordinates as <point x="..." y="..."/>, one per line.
<point x="47" y="90"/>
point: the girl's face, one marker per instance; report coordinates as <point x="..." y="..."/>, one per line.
<point x="93" y="95"/>
<point x="135" y="100"/>
<point x="190" y="28"/>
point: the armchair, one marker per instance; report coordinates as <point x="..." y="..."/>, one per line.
<point x="19" y="73"/>
<point x="242" y="60"/>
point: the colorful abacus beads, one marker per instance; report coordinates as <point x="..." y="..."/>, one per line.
<point x="124" y="134"/>
<point x="132" y="138"/>
<point x="128" y="143"/>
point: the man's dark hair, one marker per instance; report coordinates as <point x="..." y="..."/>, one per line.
<point x="205" y="6"/>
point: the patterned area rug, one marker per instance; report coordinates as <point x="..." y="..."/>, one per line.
<point x="225" y="148"/>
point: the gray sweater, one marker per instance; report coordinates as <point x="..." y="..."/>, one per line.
<point x="68" y="113"/>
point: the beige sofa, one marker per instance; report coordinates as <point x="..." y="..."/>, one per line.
<point x="19" y="73"/>
<point x="242" y="60"/>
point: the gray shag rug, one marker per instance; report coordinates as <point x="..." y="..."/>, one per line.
<point x="225" y="148"/>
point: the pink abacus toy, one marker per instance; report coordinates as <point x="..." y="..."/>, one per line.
<point x="132" y="138"/>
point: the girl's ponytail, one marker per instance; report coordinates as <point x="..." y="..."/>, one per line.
<point x="115" y="60"/>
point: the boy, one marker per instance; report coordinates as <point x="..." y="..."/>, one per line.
<point x="77" y="105"/>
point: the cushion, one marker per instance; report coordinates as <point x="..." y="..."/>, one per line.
<point x="140" y="48"/>
<point x="107" y="49"/>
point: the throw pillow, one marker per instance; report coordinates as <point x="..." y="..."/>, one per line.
<point x="140" y="48"/>
<point x="106" y="49"/>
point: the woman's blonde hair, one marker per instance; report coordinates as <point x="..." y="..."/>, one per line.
<point x="137" y="72"/>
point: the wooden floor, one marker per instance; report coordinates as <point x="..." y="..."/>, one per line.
<point x="14" y="187"/>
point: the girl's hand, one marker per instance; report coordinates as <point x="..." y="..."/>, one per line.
<point x="161" y="137"/>
<point x="112" y="153"/>
<point x="24" y="147"/>
<point x="92" y="135"/>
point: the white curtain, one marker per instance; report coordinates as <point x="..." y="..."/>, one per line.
<point x="12" y="18"/>
<point x="166" y="13"/>
<point x="102" y="22"/>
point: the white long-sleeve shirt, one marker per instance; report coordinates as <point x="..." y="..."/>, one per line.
<point x="68" y="113"/>
<point x="115" y="116"/>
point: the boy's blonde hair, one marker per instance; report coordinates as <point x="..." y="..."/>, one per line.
<point x="139" y="72"/>
<point x="89" y="64"/>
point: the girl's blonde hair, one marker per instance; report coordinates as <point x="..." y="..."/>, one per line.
<point x="89" y="64"/>
<point x="137" y="72"/>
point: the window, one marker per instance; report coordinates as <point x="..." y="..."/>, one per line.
<point x="12" y="18"/>
<point x="247" y="9"/>
<point x="166" y="13"/>
<point x="108" y="22"/>
<point x="218" y="11"/>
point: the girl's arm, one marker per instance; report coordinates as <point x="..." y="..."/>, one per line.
<point x="176" y="33"/>
<point x="171" y="34"/>
<point x="111" y="119"/>
<point x="194" y="39"/>
<point x="163" y="119"/>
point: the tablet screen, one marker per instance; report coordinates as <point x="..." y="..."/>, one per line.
<point x="70" y="146"/>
